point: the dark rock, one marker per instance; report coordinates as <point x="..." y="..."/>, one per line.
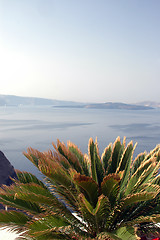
<point x="6" y="172"/>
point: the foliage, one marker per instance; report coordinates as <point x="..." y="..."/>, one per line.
<point x="85" y="196"/>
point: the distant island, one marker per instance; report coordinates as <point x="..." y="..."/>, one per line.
<point x="118" y="105"/>
<point x="109" y="105"/>
<point x="11" y="100"/>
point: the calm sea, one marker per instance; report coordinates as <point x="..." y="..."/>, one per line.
<point x="38" y="127"/>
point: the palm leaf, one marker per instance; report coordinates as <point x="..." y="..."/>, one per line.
<point x="107" y="236"/>
<point x="102" y="211"/>
<point x="145" y="219"/>
<point x="110" y="187"/>
<point x="126" y="233"/>
<point x="28" y="206"/>
<point x="71" y="157"/>
<point x="127" y="159"/>
<point x="145" y="168"/>
<point x="33" y="155"/>
<point x="146" y="175"/>
<point x="88" y="187"/>
<point x="85" y="196"/>
<point x="13" y="217"/>
<point x="95" y="218"/>
<point x="127" y="155"/>
<point x="25" y="177"/>
<point x="137" y="162"/>
<point x="53" y="227"/>
<point x="153" y="153"/>
<point x="75" y="150"/>
<point x="96" y="164"/>
<point x="106" y="155"/>
<point x="115" y="157"/>
<point x="138" y="197"/>
<point x="54" y="171"/>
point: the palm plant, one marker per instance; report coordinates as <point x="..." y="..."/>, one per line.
<point x="86" y="196"/>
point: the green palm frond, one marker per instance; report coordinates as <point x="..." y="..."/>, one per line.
<point x="110" y="187"/>
<point x="137" y="162"/>
<point x="25" y="177"/>
<point x="52" y="227"/>
<point x="138" y="197"/>
<point x="86" y="196"/>
<point x="126" y="233"/>
<point x="71" y="157"/>
<point x="95" y="218"/>
<point x="145" y="219"/>
<point x="75" y="150"/>
<point x="126" y="156"/>
<point x="96" y="164"/>
<point x="28" y="206"/>
<point x="115" y="156"/>
<point x="88" y="187"/>
<point x="141" y="175"/>
<point x="13" y="217"/>
<point x="106" y="155"/>
<point x="127" y="159"/>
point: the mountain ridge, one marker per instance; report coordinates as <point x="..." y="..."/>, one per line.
<point x="13" y="100"/>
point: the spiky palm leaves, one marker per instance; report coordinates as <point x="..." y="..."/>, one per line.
<point x="86" y="196"/>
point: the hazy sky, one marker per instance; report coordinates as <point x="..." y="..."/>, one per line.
<point x="81" y="50"/>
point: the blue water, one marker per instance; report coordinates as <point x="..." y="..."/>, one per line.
<point x="22" y="127"/>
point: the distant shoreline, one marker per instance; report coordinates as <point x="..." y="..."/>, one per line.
<point x="11" y="100"/>
<point x="109" y="106"/>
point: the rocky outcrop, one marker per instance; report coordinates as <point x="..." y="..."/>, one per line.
<point x="6" y="171"/>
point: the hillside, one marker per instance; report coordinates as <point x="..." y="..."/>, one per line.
<point x="11" y="100"/>
<point x="117" y="105"/>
